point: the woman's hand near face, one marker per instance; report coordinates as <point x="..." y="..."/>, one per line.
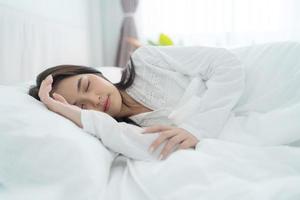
<point x="177" y="137"/>
<point x="58" y="104"/>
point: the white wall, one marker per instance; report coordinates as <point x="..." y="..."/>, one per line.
<point x="73" y="12"/>
<point x="37" y="34"/>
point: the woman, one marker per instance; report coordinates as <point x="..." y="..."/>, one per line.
<point x="184" y="93"/>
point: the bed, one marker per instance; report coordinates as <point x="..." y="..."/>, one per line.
<point x="45" y="156"/>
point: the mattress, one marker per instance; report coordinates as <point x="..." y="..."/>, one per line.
<point x="45" y="156"/>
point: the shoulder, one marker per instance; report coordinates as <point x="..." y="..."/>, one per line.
<point x="144" y="56"/>
<point x="147" y="49"/>
<point x="143" y="50"/>
<point x="169" y="55"/>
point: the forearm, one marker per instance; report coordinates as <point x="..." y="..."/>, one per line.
<point x="120" y="137"/>
<point x="57" y="103"/>
<point x="71" y="112"/>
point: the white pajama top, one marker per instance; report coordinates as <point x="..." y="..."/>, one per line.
<point x="194" y="88"/>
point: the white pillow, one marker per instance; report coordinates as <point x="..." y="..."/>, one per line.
<point x="44" y="152"/>
<point x="111" y="73"/>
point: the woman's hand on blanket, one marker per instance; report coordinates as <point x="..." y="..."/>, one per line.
<point x="177" y="137"/>
<point x="58" y="103"/>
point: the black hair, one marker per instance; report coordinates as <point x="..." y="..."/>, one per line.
<point x="61" y="72"/>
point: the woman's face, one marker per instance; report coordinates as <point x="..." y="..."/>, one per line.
<point x="92" y="92"/>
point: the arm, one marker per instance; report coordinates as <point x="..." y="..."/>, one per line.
<point x="120" y="137"/>
<point x="58" y="104"/>
<point x="202" y="115"/>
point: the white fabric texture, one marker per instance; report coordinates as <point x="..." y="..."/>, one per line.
<point x="199" y="84"/>
<point x="46" y="156"/>
<point x="217" y="170"/>
<point x="241" y="94"/>
<point x="221" y="169"/>
<point x="31" y="43"/>
<point x="120" y="137"/>
<point x="269" y="109"/>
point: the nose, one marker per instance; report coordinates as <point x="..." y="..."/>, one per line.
<point x="91" y="101"/>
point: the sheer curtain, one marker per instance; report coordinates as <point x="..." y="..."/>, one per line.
<point x="226" y="23"/>
<point x="128" y="29"/>
<point x="30" y="44"/>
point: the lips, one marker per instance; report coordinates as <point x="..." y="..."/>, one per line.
<point x="106" y="104"/>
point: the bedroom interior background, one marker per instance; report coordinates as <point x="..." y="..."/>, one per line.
<point x="226" y="24"/>
<point x="36" y="34"/>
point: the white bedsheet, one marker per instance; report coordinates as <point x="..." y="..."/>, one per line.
<point x="44" y="156"/>
<point x="217" y="170"/>
<point x="268" y="112"/>
<point x="57" y="161"/>
<point x="227" y="169"/>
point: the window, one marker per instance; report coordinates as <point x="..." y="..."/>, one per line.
<point x="224" y="23"/>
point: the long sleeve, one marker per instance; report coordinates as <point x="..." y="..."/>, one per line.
<point x="119" y="137"/>
<point x="202" y="114"/>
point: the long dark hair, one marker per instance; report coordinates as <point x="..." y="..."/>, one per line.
<point x="61" y="72"/>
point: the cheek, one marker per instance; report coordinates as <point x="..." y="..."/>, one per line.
<point x="117" y="101"/>
<point x="103" y="86"/>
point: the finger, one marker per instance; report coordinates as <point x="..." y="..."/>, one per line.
<point x="49" y="78"/>
<point x="171" y="145"/>
<point x="45" y="88"/>
<point x="46" y="85"/>
<point x="163" y="136"/>
<point x="47" y="81"/>
<point x="44" y="91"/>
<point x="59" y="98"/>
<point x="185" y="144"/>
<point x="156" y="128"/>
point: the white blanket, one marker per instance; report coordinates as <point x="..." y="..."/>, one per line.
<point x="44" y="156"/>
<point x="269" y="110"/>
<point x="226" y="169"/>
<point x="217" y="170"/>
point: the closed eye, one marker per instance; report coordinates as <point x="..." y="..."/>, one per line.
<point x="88" y="85"/>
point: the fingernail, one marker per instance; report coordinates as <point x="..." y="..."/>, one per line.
<point x="160" y="157"/>
<point x="151" y="150"/>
